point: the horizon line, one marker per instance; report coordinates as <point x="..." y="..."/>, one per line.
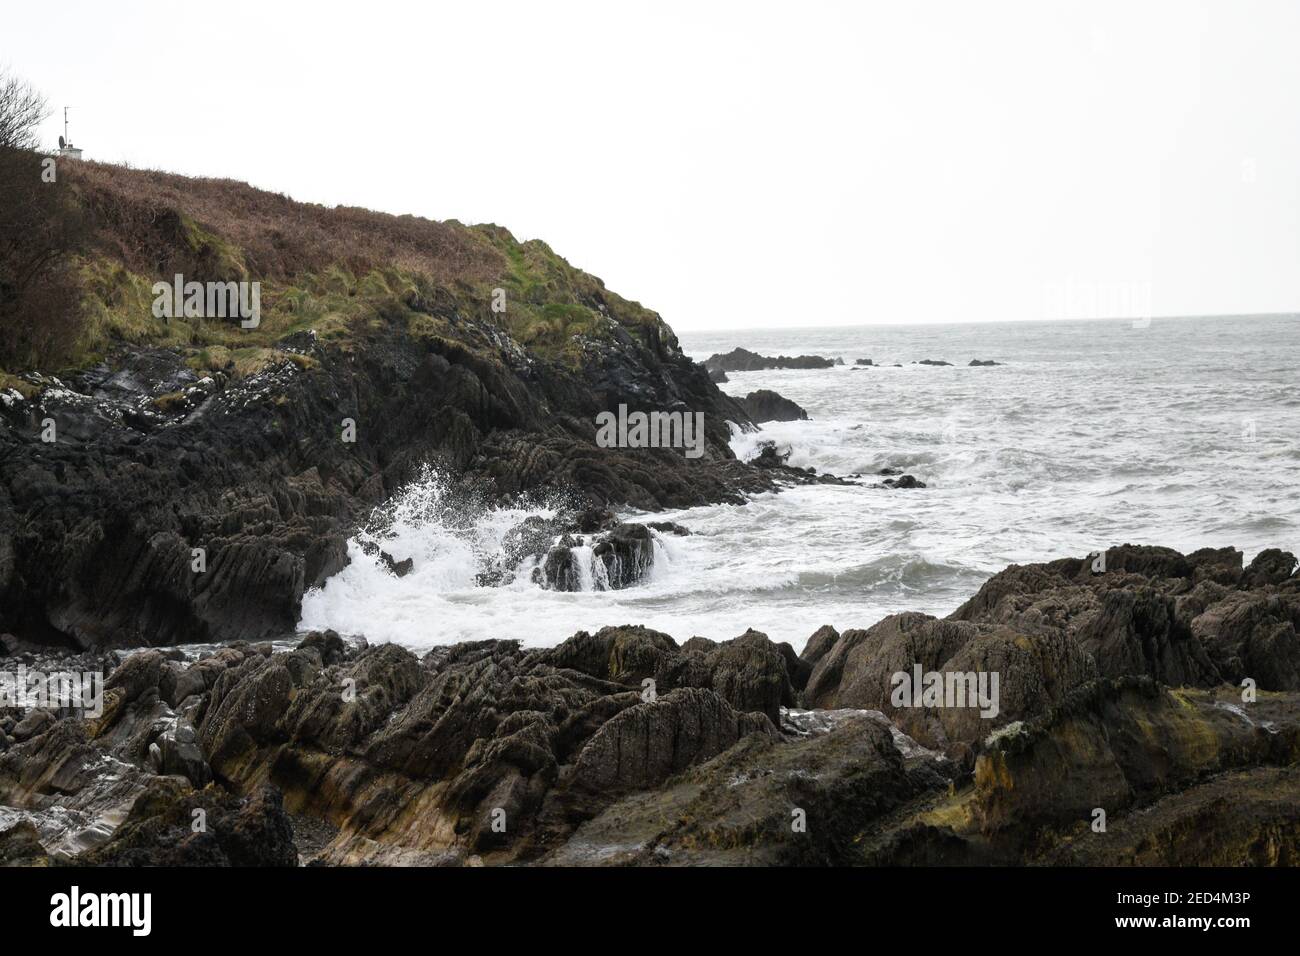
<point x="1098" y="318"/>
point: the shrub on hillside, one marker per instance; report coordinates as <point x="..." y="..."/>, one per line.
<point x="41" y="230"/>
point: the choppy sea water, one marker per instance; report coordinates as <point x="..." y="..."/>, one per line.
<point x="1183" y="433"/>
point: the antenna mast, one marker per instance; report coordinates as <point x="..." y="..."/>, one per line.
<point x="66" y="149"/>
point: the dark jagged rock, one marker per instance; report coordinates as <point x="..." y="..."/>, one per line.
<point x="619" y="557"/>
<point x="1034" y="671"/>
<point x="743" y="360"/>
<point x="903" y="481"/>
<point x="479" y="728"/>
<point x="534" y="537"/>
<point x="627" y="552"/>
<point x="643" y="746"/>
<point x="396" y="568"/>
<point x="863" y="362"/>
<point x="763" y="802"/>
<point x="621" y="746"/>
<point x="1146" y="755"/>
<point x="980" y="363"/>
<point x="71" y="786"/>
<point x="592" y="520"/>
<point x="99" y="530"/>
<point x="669" y="527"/>
<point x="749" y="672"/>
<point x="769" y="457"/>
<point x="931" y="362"/>
<point x="819" y="644"/>
<point x="1194" y="620"/>
<point x="765" y="405"/>
<point x="171" y="825"/>
<point x="774" y="461"/>
<point x="718" y="376"/>
<point x="179" y="506"/>
<point x="1272" y="566"/>
<point x="1241" y="818"/>
<point x="20" y="845"/>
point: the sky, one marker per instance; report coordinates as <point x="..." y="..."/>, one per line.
<point x="734" y="165"/>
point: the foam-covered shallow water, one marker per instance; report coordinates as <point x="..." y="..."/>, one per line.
<point x="1184" y="433"/>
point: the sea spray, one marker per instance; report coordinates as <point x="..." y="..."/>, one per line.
<point x="475" y="569"/>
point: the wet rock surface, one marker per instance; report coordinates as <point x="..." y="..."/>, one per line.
<point x="773" y="460"/>
<point x="766" y="405"/>
<point x="173" y="508"/>
<point x="902" y="482"/>
<point x="625" y="747"/>
<point x="618" y="557"/>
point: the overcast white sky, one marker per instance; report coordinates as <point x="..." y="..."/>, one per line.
<point x="749" y="164"/>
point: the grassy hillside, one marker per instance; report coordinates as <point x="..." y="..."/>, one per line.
<point x="320" y="268"/>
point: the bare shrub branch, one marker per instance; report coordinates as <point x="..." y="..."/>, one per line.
<point x="22" y="109"/>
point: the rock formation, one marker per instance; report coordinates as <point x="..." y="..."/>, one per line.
<point x="743" y="360"/>
<point x="766" y="405"/>
<point x="1120" y="690"/>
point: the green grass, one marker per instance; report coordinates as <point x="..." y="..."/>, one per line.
<point x="227" y="259"/>
<point x="551" y="307"/>
<point x="119" y="308"/>
<point x="23" y="388"/>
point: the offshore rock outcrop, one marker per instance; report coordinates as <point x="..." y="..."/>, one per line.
<point x="766" y="405"/>
<point x="743" y="360"/>
<point x="624" y="747"/>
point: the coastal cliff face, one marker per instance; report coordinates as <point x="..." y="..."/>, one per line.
<point x="384" y="344"/>
<point x="625" y="747"/>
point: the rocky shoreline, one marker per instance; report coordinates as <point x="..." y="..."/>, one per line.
<point x="171" y="487"/>
<point x="1121" y="691"/>
<point x="187" y="479"/>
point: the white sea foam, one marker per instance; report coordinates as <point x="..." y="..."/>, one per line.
<point x="1092" y="434"/>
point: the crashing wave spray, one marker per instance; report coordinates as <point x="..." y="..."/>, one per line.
<point x="435" y="562"/>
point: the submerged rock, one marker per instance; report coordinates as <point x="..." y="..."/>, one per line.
<point x="903" y="481"/>
<point x="396" y="568"/>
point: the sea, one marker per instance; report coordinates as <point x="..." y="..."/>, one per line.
<point x="1087" y="434"/>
